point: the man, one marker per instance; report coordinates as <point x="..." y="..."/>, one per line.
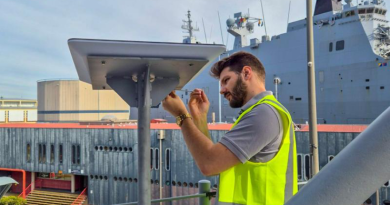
<point x="256" y="159"/>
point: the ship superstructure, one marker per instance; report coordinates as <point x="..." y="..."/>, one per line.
<point x="351" y="55"/>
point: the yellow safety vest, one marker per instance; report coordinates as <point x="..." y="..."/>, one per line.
<point x="270" y="183"/>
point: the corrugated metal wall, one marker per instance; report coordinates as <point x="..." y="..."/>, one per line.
<point x="109" y="159"/>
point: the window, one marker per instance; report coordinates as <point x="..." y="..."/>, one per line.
<point x="60" y="154"/>
<point x="330" y="158"/>
<point x="52" y="153"/>
<point x="39" y="153"/>
<point x="370" y="10"/>
<point x="349" y="13"/>
<point x="330" y="46"/>
<point x="298" y="99"/>
<point x="43" y="153"/>
<point x="362" y="11"/>
<point x="151" y="158"/>
<point x="168" y="159"/>
<point x="307" y="167"/>
<point x="340" y="45"/>
<point x="73" y="154"/>
<point x="28" y="152"/>
<point x="384" y="12"/>
<point x="76" y="154"/>
<point x="157" y="158"/>
<point x="377" y="11"/>
<point x="299" y="159"/>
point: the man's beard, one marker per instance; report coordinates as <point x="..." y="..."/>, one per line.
<point x="238" y="94"/>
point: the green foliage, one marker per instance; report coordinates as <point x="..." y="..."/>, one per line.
<point x="12" y="200"/>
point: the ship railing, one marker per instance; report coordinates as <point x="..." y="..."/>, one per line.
<point x="204" y="195"/>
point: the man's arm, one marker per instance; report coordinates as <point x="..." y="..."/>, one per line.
<point x="199" y="107"/>
<point x="211" y="158"/>
<point x="201" y="124"/>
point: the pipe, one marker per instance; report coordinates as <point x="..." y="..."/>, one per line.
<point x="312" y="89"/>
<point x="144" y="102"/>
<point x="161" y="168"/>
<point x="346" y="180"/>
<point x="24" y="178"/>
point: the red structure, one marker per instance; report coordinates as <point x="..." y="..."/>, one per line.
<point x="16" y="177"/>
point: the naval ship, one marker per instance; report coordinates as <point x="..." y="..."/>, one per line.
<point x="351" y="60"/>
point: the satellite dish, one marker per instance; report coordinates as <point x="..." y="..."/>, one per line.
<point x="250" y="26"/>
<point x="230" y="23"/>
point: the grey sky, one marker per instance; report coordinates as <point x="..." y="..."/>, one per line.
<point x="34" y="33"/>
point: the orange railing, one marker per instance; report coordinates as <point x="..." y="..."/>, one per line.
<point x="23" y="176"/>
<point x="80" y="199"/>
<point x="27" y="191"/>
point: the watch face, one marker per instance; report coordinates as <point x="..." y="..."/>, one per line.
<point x="178" y="120"/>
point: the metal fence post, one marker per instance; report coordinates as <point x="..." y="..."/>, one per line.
<point x="204" y="187"/>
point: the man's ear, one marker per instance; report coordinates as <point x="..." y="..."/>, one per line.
<point x="247" y="72"/>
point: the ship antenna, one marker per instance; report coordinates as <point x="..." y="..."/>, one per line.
<point x="220" y="26"/>
<point x="288" y="16"/>
<point x="262" y="10"/>
<point x="204" y="29"/>
<point x="189" y="23"/>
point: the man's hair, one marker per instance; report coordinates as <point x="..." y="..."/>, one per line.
<point x="236" y="63"/>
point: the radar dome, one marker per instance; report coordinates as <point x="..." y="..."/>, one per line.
<point x="250" y="26"/>
<point x="230" y="23"/>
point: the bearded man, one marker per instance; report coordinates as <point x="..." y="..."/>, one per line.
<point x="256" y="159"/>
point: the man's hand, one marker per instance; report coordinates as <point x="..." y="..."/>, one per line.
<point x="199" y="104"/>
<point x="174" y="105"/>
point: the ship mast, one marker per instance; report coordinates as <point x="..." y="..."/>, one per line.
<point x="187" y="27"/>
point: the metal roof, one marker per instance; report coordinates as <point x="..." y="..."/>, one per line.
<point x="7" y="180"/>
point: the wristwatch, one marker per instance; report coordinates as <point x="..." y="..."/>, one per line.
<point x="181" y="118"/>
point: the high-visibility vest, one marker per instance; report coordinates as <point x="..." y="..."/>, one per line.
<point x="269" y="183"/>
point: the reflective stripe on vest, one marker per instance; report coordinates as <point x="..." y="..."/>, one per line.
<point x="269" y="183"/>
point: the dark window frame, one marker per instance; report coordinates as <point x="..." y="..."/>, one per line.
<point x="44" y="159"/>
<point x="299" y="166"/>
<point x="78" y="154"/>
<point x="52" y="157"/>
<point x="168" y="159"/>
<point x="157" y="159"/>
<point x="39" y="153"/>
<point x="307" y="167"/>
<point x="330" y="46"/>
<point x="73" y="154"/>
<point x="340" y="45"/>
<point x="28" y="152"/>
<point x="60" y="153"/>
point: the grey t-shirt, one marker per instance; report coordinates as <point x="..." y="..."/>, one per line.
<point x="258" y="135"/>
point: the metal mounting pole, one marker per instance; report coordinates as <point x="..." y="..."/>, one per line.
<point x="312" y="89"/>
<point x="204" y="187"/>
<point x="355" y="173"/>
<point x="144" y="104"/>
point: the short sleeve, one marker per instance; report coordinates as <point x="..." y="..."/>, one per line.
<point x="256" y="129"/>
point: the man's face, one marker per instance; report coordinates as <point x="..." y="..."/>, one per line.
<point x="233" y="88"/>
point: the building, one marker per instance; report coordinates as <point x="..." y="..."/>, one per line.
<point x="75" y="101"/>
<point x="104" y="158"/>
<point x="18" y="110"/>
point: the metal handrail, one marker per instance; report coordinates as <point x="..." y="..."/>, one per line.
<point x="25" y="191"/>
<point x="204" y="195"/>
<point x="79" y="198"/>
